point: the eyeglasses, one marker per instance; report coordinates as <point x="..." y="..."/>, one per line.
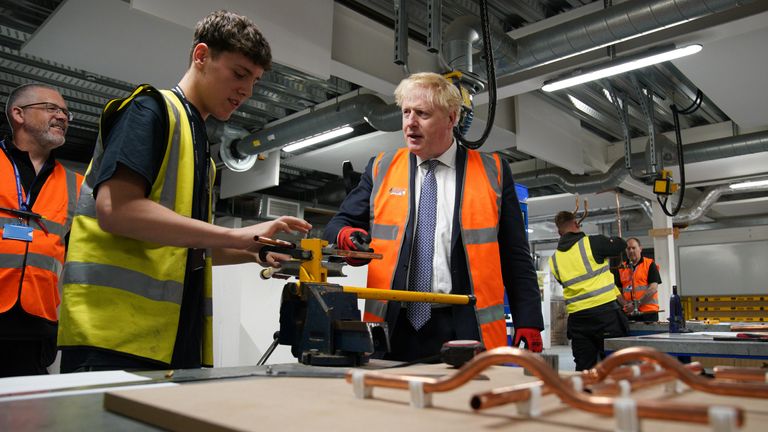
<point x="51" y="108"/>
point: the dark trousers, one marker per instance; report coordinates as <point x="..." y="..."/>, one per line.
<point x="588" y="330"/>
<point x="26" y="356"/>
<point x="408" y="344"/>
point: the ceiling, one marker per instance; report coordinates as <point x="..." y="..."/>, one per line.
<point x="328" y="51"/>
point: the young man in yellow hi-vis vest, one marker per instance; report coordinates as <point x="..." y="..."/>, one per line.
<point x="580" y="265"/>
<point x="137" y="282"/>
<point x="474" y="241"/>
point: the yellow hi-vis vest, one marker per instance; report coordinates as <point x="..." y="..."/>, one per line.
<point x="479" y="224"/>
<point x="123" y="294"/>
<point x="586" y="283"/>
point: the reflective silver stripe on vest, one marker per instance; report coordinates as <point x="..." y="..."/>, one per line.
<point x="71" y="200"/>
<point x="490" y="314"/>
<point x="381" y="168"/>
<point x="384" y="232"/>
<point x="124" y="279"/>
<point x="43" y="262"/>
<point x="86" y="205"/>
<point x="480" y="235"/>
<point x="556" y="271"/>
<point x="608" y="288"/>
<point x="590" y="272"/>
<point x="489" y="163"/>
<point x="376" y="307"/>
<point x="168" y="194"/>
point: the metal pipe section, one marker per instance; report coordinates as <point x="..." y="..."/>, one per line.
<point x="463" y="37"/>
<point x="707" y="199"/>
<point x="352" y="111"/>
<point x="607" y="27"/>
<point x="699" y="152"/>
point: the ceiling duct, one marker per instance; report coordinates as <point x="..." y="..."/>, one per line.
<point x="602" y="28"/>
<point x="707" y="199"/>
<point x="352" y="111"/>
<point x="698" y="152"/>
<point x="463" y="37"/>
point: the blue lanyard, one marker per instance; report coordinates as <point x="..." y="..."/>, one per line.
<point x="23" y="203"/>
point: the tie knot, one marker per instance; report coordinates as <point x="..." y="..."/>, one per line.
<point x="431" y="164"/>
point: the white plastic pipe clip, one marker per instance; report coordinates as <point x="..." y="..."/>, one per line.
<point x="361" y="390"/>
<point x="625" y="388"/>
<point x="625" y="413"/>
<point x="722" y="419"/>
<point x="578" y="384"/>
<point x="419" y="399"/>
<point x="675" y="387"/>
<point x="635" y="370"/>
<point x="532" y="406"/>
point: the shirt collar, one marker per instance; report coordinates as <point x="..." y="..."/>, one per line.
<point x="448" y="158"/>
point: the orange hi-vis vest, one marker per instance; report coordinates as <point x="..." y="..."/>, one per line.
<point x="29" y="271"/>
<point x="479" y="225"/>
<point x="635" y="282"/>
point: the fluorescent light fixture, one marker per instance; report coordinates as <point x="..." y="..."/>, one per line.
<point x="622" y="65"/>
<point x="749" y="184"/>
<point x="530" y="230"/>
<point x="325" y="136"/>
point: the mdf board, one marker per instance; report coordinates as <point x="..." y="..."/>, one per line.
<point x="288" y="404"/>
<point x="724" y="269"/>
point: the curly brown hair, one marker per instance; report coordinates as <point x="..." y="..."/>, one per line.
<point x="225" y="31"/>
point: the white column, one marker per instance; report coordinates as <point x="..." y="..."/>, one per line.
<point x="664" y="249"/>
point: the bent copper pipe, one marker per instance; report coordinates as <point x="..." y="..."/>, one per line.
<point x="741" y="373"/>
<point x="651" y="379"/>
<point x="672" y="365"/>
<point x="535" y="364"/>
<point x="521" y="392"/>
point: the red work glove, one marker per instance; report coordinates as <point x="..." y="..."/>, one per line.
<point x="354" y="239"/>
<point x="531" y="337"/>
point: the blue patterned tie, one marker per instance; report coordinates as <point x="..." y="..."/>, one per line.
<point x="420" y="276"/>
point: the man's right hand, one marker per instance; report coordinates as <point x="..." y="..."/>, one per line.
<point x="354" y="239"/>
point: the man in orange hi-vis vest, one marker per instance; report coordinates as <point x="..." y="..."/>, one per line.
<point x="37" y="201"/>
<point x="640" y="280"/>
<point x="447" y="220"/>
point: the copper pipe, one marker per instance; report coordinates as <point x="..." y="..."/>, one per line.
<point x="273" y="242"/>
<point x="741" y="373"/>
<point x="651" y="379"/>
<point x="534" y="363"/>
<point x="354" y="254"/>
<point x="672" y="365"/>
<point x="521" y="392"/>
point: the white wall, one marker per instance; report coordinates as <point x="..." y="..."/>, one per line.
<point x="246" y="313"/>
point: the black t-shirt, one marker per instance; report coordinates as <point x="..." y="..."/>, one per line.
<point x="137" y="141"/>
<point x="15" y="323"/>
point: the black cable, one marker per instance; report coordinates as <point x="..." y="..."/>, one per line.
<point x="490" y="67"/>
<point x="680" y="159"/>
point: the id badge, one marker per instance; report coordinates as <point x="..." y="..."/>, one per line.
<point x="17" y="232"/>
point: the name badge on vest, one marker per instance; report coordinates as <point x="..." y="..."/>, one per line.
<point x="397" y="191"/>
<point x="17" y="232"/>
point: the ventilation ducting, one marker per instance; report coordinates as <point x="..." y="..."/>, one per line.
<point x="707" y="199"/>
<point x="698" y="152"/>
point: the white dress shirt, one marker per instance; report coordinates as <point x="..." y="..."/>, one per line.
<point x="445" y="176"/>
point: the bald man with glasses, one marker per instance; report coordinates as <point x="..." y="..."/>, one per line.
<point x="37" y="202"/>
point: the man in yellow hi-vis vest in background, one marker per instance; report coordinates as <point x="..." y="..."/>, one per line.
<point x="137" y="281"/>
<point x="580" y="264"/>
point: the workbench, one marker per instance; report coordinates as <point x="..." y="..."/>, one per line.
<point x="637" y="328"/>
<point x="699" y="344"/>
<point x="263" y="398"/>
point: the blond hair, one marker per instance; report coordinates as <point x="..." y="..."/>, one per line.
<point x="440" y="92"/>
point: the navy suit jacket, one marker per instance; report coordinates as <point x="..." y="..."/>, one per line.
<point x="517" y="268"/>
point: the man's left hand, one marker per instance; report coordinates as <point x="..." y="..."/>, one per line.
<point x="531" y="337"/>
